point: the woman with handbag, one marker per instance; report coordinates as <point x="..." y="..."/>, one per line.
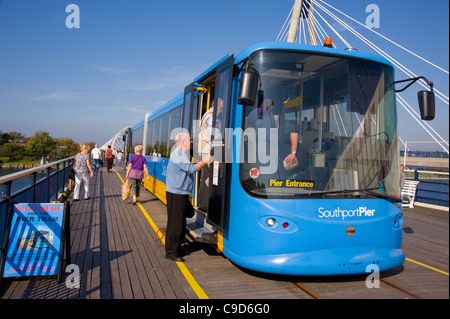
<point x="135" y="172"/>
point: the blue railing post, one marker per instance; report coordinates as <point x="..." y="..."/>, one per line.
<point x="47" y="176"/>
<point x="57" y="180"/>
<point x="33" y="181"/>
<point x="4" y="218"/>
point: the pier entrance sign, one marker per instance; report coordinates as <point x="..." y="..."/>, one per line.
<point x="38" y="236"/>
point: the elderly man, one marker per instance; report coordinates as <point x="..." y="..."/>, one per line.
<point x="179" y="182"/>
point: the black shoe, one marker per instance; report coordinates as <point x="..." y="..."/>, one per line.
<point x="76" y="200"/>
<point x="174" y="258"/>
<point x="87" y="198"/>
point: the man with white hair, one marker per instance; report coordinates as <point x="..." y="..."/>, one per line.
<point x="179" y="182"/>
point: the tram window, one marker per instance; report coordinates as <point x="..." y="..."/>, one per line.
<point x="175" y="122"/>
<point x="149" y="148"/>
<point x="187" y="110"/>
<point x="155" y="135"/>
<point x="164" y="136"/>
<point x="138" y="135"/>
<point x="343" y="143"/>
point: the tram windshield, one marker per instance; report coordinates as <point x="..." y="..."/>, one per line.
<point x="337" y="114"/>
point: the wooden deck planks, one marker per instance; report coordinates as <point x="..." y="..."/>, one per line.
<point x="118" y="253"/>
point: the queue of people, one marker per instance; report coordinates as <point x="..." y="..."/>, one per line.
<point x="85" y="165"/>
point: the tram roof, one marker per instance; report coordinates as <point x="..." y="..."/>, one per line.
<point x="308" y="48"/>
<point x="173" y="103"/>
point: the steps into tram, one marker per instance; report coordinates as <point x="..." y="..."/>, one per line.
<point x="199" y="230"/>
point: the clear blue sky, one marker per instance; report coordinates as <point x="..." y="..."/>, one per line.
<point x="129" y="57"/>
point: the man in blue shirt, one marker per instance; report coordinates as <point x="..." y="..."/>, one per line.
<point x="179" y="182"/>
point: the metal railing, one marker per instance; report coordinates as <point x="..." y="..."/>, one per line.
<point x="44" y="190"/>
<point x="433" y="187"/>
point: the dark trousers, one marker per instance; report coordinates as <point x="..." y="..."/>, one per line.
<point x="109" y="163"/>
<point x="176" y="222"/>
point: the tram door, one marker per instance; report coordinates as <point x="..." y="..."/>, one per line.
<point x="217" y="168"/>
<point x="187" y="109"/>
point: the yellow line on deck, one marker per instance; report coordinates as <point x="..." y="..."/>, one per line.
<point x="186" y="273"/>
<point x="426" y="266"/>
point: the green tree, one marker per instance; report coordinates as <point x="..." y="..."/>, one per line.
<point x="40" y="145"/>
<point x="11" y="150"/>
<point x="12" y="145"/>
<point x="65" y="147"/>
<point x="90" y="144"/>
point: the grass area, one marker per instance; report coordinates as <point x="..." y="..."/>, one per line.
<point x="22" y="162"/>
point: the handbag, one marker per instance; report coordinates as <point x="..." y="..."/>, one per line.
<point x="126" y="190"/>
<point x="136" y="174"/>
<point x="72" y="175"/>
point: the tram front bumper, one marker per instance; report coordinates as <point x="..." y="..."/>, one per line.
<point x="342" y="261"/>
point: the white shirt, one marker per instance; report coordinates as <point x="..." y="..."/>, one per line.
<point x="96" y="153"/>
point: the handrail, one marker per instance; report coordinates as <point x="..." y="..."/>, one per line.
<point x="23" y="173"/>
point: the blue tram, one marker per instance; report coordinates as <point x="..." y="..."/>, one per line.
<point x="305" y="177"/>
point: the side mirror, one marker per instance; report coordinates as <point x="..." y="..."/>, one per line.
<point x="249" y="87"/>
<point x="426" y="105"/>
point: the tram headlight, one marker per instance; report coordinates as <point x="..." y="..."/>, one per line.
<point x="270" y="222"/>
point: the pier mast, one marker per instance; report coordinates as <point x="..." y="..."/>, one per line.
<point x="302" y="10"/>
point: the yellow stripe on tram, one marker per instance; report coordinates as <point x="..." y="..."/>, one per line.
<point x="426" y="266"/>
<point x="186" y="273"/>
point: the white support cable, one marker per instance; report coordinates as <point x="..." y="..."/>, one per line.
<point x="300" y="27"/>
<point x="421" y="124"/>
<point x="287" y="18"/>
<point x="418" y="116"/>
<point x="404" y="144"/>
<point x="320" y="29"/>
<point x="340" y="118"/>
<point x="335" y="120"/>
<point x="323" y="33"/>
<point x="283" y="35"/>
<point x="378" y="50"/>
<point x="304" y="27"/>
<point x="398" y="45"/>
<point x="381" y="52"/>
<point x="334" y="30"/>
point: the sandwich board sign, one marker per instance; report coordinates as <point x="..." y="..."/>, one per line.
<point x="36" y="240"/>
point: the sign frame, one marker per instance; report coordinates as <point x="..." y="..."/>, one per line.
<point x="37" y="240"/>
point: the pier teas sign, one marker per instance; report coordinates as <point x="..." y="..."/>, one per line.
<point x="37" y="234"/>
